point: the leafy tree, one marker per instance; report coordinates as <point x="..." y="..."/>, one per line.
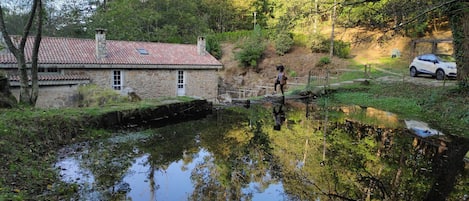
<point x="28" y="94"/>
<point x="252" y="49"/>
<point x="283" y="43"/>
<point x="213" y="47"/>
<point x="220" y="15"/>
<point x="153" y="20"/>
<point x="458" y="13"/>
<point x="415" y="17"/>
<point x="67" y="19"/>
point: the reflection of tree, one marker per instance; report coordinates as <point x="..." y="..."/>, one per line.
<point x="109" y="161"/>
<point x="170" y="144"/>
<point x="241" y="155"/>
<point x="364" y="162"/>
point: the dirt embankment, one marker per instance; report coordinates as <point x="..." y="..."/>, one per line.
<point x="366" y="48"/>
<point x="298" y="62"/>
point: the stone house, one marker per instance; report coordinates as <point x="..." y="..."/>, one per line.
<point x="149" y="69"/>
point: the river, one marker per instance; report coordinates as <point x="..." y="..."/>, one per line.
<point x="272" y="152"/>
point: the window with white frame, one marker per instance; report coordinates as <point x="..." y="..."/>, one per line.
<point x="117" y="80"/>
<point x="180" y="79"/>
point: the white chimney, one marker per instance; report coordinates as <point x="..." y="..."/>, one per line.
<point x="201" y="46"/>
<point x="101" y="51"/>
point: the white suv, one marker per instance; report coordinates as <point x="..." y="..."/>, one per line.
<point x="437" y="65"/>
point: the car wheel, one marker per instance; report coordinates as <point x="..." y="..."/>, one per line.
<point x="413" y="72"/>
<point x="440" y="74"/>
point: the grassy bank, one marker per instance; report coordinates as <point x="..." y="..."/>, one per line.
<point x="444" y="108"/>
<point x="29" y="138"/>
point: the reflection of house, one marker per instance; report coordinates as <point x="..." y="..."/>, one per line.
<point x="150" y="69"/>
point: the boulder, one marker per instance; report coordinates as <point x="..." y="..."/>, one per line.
<point x="7" y="100"/>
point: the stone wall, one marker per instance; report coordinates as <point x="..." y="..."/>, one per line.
<point x="150" y="84"/>
<point x="54" y="96"/>
<point x="202" y="83"/>
<point x="146" y="83"/>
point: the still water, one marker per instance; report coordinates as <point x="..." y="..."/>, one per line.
<point x="272" y="152"/>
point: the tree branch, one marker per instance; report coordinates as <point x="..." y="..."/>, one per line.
<point x="28" y="25"/>
<point x="422" y="14"/>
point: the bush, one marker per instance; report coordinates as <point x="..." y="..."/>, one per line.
<point x="283" y="43"/>
<point x="319" y="44"/>
<point x="323" y="61"/>
<point x="93" y="95"/>
<point x="213" y="47"/>
<point x="301" y="39"/>
<point x="341" y="49"/>
<point x="252" y="49"/>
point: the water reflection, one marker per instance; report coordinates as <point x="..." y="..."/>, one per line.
<point x="236" y="155"/>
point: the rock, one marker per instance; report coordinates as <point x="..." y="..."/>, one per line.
<point x="225" y="98"/>
<point x="7" y="100"/>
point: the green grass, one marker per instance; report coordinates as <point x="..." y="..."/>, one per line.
<point x="443" y="107"/>
<point x="29" y="137"/>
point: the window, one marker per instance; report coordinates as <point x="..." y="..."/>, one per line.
<point x="181" y="91"/>
<point x="142" y="51"/>
<point x="180" y="79"/>
<point x="48" y="70"/>
<point x="117" y="80"/>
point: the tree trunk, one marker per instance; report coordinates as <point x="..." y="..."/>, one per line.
<point x="446" y="167"/>
<point x="459" y="13"/>
<point x="25" y="96"/>
<point x="18" y="51"/>
<point x="35" y="58"/>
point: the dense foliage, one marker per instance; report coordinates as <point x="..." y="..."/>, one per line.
<point x="183" y="20"/>
<point x="283" y="43"/>
<point x="251" y="49"/>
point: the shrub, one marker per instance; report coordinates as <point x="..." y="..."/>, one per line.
<point x="323" y="61"/>
<point x="319" y="44"/>
<point x="93" y="95"/>
<point x="213" y="47"/>
<point x="341" y="49"/>
<point x="463" y="86"/>
<point x="292" y="73"/>
<point x="252" y="49"/>
<point x="283" y="43"/>
<point x="301" y="39"/>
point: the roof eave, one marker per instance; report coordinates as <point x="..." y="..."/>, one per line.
<point x="124" y="66"/>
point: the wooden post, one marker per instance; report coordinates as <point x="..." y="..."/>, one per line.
<point x="367" y="70"/>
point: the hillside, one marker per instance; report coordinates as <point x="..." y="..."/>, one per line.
<point x="367" y="48"/>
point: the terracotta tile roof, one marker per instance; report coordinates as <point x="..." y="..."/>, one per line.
<point x="52" y="77"/>
<point x="56" y="50"/>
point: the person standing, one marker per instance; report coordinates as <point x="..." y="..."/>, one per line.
<point x="281" y="79"/>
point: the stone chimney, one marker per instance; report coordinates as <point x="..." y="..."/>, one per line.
<point x="201" y="50"/>
<point x="101" y="51"/>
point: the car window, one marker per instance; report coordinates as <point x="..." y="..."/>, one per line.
<point x="446" y="58"/>
<point x="431" y="57"/>
<point x="424" y="57"/>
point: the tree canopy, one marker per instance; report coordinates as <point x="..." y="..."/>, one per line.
<point x="181" y="21"/>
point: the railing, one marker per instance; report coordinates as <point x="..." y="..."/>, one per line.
<point x="262" y="90"/>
